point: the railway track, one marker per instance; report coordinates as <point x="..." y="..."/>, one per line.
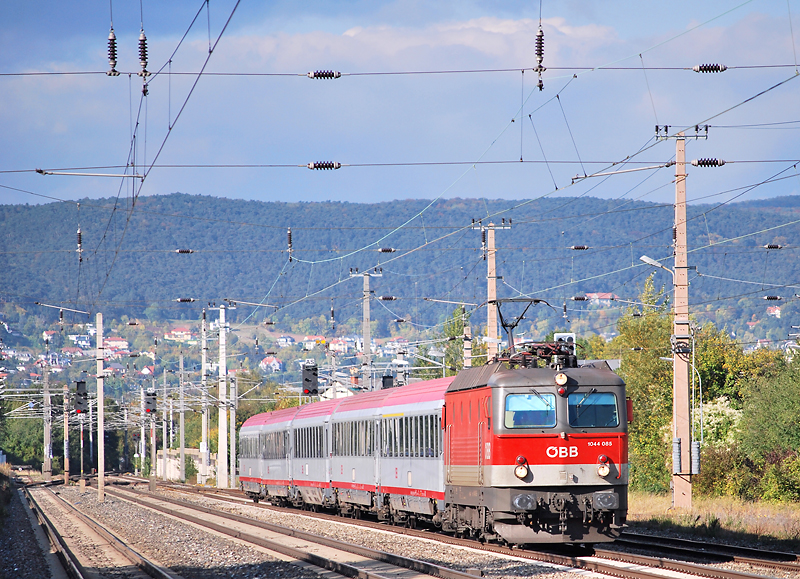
<point x="338" y="556"/>
<point x="715" y="552"/>
<point x="610" y="562"/>
<point x="84" y="547"/>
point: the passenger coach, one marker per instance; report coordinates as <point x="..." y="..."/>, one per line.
<point x="515" y="454"/>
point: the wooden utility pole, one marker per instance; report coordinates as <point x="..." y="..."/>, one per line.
<point x="182" y="435"/>
<point x="166" y="442"/>
<point x="153" y="458"/>
<point x="101" y="442"/>
<point x="222" y="423"/>
<point x="681" y="347"/>
<point x="366" y="364"/>
<point x="66" y="434"/>
<point x="491" y="295"/>
<point x="367" y="337"/>
<point x="47" y="466"/>
<point x="234" y="395"/>
<point x="488" y="247"/>
<point x="204" y="396"/>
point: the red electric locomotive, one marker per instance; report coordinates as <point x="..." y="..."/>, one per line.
<point x="531" y="448"/>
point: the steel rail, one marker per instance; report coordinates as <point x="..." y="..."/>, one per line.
<point x="152" y="569"/>
<point x="577" y="562"/>
<point x="342" y="568"/>
<point x="716" y="551"/>
<point x="69" y="560"/>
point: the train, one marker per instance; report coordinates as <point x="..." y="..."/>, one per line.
<point x="530" y="448"/>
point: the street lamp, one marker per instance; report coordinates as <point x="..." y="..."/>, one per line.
<point x="654" y="263"/>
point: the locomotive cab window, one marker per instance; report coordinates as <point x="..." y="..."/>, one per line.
<point x="593" y="409"/>
<point x="530" y="411"/>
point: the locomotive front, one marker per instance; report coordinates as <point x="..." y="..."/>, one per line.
<point x="552" y="460"/>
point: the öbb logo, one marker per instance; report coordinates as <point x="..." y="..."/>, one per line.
<point x="562" y="451"/>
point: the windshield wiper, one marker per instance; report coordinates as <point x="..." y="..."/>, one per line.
<point x="542" y="398"/>
<point x="589" y="393"/>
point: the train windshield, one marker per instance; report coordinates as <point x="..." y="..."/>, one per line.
<point x="530" y="410"/>
<point x="593" y="409"/>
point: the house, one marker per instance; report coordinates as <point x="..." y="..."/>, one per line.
<point x="270" y="364"/>
<point x="81" y="340"/>
<point x="179" y="335"/>
<point x="72" y="352"/>
<point x="49" y="335"/>
<point x="285" y="341"/>
<point x="147" y="371"/>
<point x="310" y="342"/>
<point x="116" y="368"/>
<point x="115" y="343"/>
<point x="774" y="311"/>
<point x="342" y="345"/>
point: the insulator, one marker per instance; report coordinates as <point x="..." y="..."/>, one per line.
<point x="143" y="53"/>
<point x="709" y="68"/>
<point x="674" y="234"/>
<point x="268" y="323"/>
<point x="61" y="317"/>
<point x="387" y="298"/>
<point x="185" y="300"/>
<point x="184" y="251"/>
<point x="387" y="250"/>
<point x="112" y="53"/>
<point x="708" y="163"/>
<point x="540" y="84"/>
<point x="399" y="320"/>
<point x="579" y="247"/>
<point x="79" y="238"/>
<point x="580" y="299"/>
<point x="324" y="165"/>
<point x="772" y="298"/>
<point x="773" y="246"/>
<point x="539" y="46"/>
<point x="324" y="74"/>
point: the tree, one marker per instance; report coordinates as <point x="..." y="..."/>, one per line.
<point x="644" y="339"/>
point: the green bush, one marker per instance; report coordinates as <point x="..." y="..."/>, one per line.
<point x="726" y="471"/>
<point x="190" y="467"/>
<point x="780" y="481"/>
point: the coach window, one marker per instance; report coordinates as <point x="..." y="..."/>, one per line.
<point x="418" y="449"/>
<point x="530" y="410"/>
<point x="592" y="409"/>
<point x="426" y="436"/>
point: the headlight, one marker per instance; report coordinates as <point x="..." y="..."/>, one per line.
<point x="602" y="466"/>
<point x="521" y="471"/>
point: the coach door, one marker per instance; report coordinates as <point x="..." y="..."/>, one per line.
<point x="376" y="451"/>
<point x="327" y="450"/>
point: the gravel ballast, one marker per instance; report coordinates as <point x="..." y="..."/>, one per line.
<point x="20" y="554"/>
<point x="493" y="565"/>
<point x="190" y="552"/>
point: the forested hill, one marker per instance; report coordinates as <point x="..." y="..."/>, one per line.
<point x="130" y="265"/>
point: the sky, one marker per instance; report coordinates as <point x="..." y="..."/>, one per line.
<point x="427" y="135"/>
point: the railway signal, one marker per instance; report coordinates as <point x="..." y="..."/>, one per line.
<point x="81" y="397"/>
<point x="150" y="402"/>
<point x="310" y="379"/>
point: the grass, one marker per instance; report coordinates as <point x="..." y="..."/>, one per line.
<point x="774" y="526"/>
<point x="5" y="488"/>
